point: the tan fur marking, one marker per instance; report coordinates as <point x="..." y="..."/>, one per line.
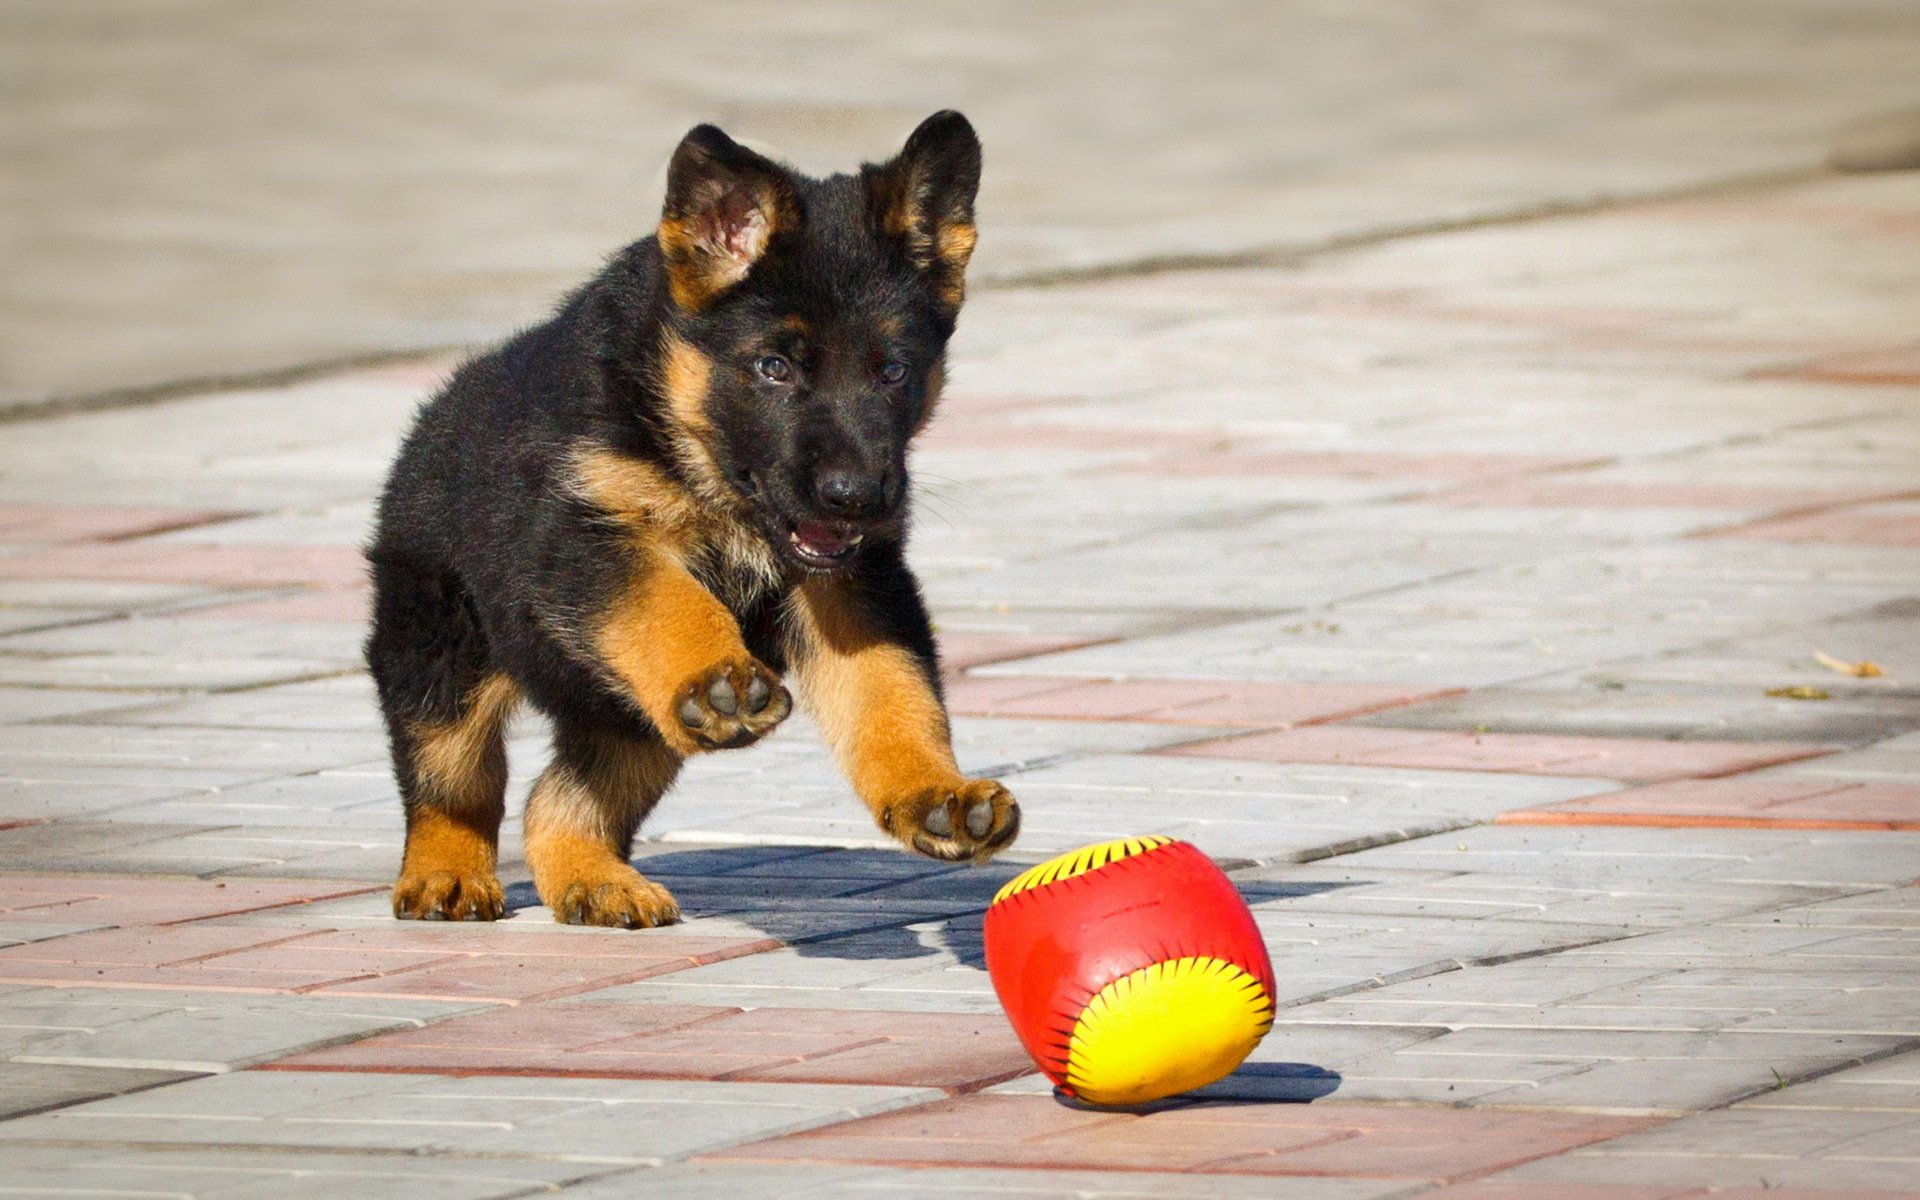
<point x="954" y="244"/>
<point x="850" y="676"/>
<point x="663" y="631"/>
<point x="440" y="842"/>
<point x="684" y="375"/>
<point x="606" y="801"/>
<point x="455" y="762"/>
<point x="580" y="821"/>
<point x="662" y="515"/>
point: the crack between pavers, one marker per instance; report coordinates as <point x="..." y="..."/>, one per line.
<point x="1287" y="255"/>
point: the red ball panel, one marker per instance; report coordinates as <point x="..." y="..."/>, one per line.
<point x="1051" y="948"/>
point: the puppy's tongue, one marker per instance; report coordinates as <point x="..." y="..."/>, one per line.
<point x="823" y="538"/>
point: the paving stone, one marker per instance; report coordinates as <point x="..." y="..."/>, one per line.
<point x="1348" y="1140"/>
<point x="722" y="1180"/>
<point x="1619" y="707"/>
<point x="219" y="566"/>
<point x="1194" y="702"/>
<point x="110" y="900"/>
<point x="1752" y="803"/>
<point x="71" y="523"/>
<point x="645" y="1041"/>
<point x="220" y="1174"/>
<point x="1748" y="1149"/>
<point x="1262" y="810"/>
<point x="149" y="1030"/>
<point x="38" y="704"/>
<point x="38" y="1087"/>
<point x="1873" y="524"/>
<point x="605" y="1121"/>
<point x="1598" y="854"/>
<point x="400" y="961"/>
<point x="1636" y="759"/>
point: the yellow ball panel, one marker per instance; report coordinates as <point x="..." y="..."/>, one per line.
<point x="1165" y="1029"/>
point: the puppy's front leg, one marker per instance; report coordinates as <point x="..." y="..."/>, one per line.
<point x="864" y="655"/>
<point x="679" y="652"/>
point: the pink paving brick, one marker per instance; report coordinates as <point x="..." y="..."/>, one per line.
<point x="119" y="900"/>
<point x="1432" y="1144"/>
<point x="519" y="970"/>
<point x="85" y="523"/>
<point x="1554" y="1189"/>
<point x="193" y="562"/>
<point x="961" y="650"/>
<point x="1032" y="436"/>
<point x="1631" y="759"/>
<point x="1864" y="527"/>
<point x="408" y="961"/>
<point x="1582" y="492"/>
<point x="155" y="956"/>
<point x="1897" y="367"/>
<point x="1357" y="465"/>
<point x="1178" y="701"/>
<point x="1741" y="803"/>
<point x="641" y="1041"/>
<point x="326" y="606"/>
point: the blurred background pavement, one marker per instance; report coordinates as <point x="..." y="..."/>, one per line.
<point x="198" y="190"/>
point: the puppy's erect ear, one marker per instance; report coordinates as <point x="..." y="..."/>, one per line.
<point x="724" y="205"/>
<point x="925" y="197"/>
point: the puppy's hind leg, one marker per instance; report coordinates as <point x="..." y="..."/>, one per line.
<point x="446" y="709"/>
<point x="581" y="818"/>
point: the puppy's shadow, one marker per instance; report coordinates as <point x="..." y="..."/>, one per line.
<point x="850" y="904"/>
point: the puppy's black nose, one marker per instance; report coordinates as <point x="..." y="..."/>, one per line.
<point x="850" y="493"/>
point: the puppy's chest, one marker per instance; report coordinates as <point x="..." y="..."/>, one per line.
<point x="733" y="562"/>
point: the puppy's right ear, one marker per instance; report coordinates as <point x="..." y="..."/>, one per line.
<point x="724" y="205"/>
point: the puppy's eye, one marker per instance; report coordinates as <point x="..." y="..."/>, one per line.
<point x="892" y="372"/>
<point x="774" y="368"/>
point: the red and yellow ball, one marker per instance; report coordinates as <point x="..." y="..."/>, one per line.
<point x="1131" y="970"/>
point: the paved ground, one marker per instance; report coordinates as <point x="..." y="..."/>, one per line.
<point x="199" y="188"/>
<point x="1444" y="589"/>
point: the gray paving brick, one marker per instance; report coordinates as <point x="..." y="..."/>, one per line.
<point x="1609" y="854"/>
<point x="37" y="1087"/>
<point x="222" y="1174"/>
<point x="578" y="1120"/>
<point x="1746" y="1149"/>
<point x="189" y="1032"/>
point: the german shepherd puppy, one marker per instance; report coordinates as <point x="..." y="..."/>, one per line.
<point x="642" y="515"/>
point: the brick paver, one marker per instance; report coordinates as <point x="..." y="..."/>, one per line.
<point x="644" y="1041"/>
<point x="1638" y="759"/>
<point x="1755" y="803"/>
<point x="1175" y="701"/>
<point x="1348" y="1140"/>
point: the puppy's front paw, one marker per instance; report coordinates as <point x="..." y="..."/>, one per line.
<point x="969" y="820"/>
<point x="733" y="704"/>
<point x="620" y="897"/>
<point x="448" y="896"/>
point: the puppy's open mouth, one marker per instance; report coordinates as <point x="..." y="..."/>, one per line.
<point x="823" y="544"/>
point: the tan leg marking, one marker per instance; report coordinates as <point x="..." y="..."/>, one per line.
<point x="878" y="710"/>
<point x="580" y="823"/>
<point x="453" y="822"/>
<point x="679" y="651"/>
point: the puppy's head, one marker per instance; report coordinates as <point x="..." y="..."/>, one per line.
<point x="808" y="326"/>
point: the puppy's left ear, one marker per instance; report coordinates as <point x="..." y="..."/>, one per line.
<point x="925" y="198"/>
